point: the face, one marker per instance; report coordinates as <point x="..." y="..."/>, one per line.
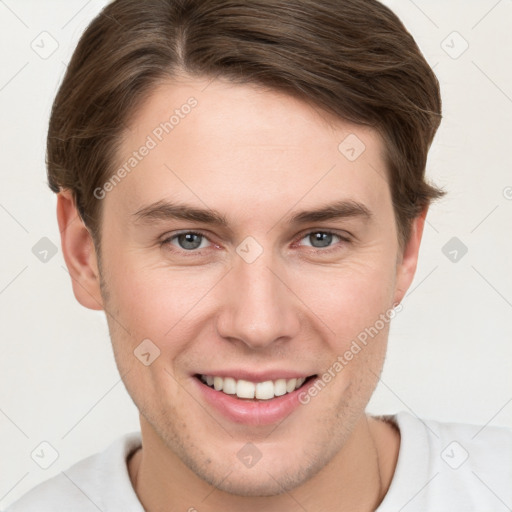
<point x="212" y="254"/>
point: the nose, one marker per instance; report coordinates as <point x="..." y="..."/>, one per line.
<point x="258" y="306"/>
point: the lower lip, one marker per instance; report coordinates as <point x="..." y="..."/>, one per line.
<point x="248" y="412"/>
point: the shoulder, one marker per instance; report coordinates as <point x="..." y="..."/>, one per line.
<point x="450" y="467"/>
<point x="99" y="482"/>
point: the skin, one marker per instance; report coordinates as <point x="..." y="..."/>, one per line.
<point x="256" y="156"/>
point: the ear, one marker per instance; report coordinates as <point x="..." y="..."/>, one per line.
<point x="408" y="259"/>
<point x="79" y="252"/>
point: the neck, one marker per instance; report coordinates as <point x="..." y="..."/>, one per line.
<point x="357" y="478"/>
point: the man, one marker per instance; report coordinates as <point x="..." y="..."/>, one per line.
<point x="241" y="188"/>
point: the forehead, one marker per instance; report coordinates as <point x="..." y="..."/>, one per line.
<point x="203" y="140"/>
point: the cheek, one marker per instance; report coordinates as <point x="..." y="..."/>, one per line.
<point x="348" y="298"/>
<point x="149" y="307"/>
<point x="154" y="301"/>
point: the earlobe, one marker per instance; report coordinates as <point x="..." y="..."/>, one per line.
<point x="79" y="253"/>
<point x="406" y="267"/>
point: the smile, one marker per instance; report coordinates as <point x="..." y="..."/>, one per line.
<point x="253" y="390"/>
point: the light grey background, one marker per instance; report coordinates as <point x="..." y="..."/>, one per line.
<point x="450" y="355"/>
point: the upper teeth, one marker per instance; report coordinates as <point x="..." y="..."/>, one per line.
<point x="246" y="389"/>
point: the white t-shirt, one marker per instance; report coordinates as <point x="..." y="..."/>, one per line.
<point x="442" y="467"/>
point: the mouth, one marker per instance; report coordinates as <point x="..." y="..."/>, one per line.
<point x="254" y="391"/>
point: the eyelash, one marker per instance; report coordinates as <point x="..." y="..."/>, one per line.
<point x="195" y="252"/>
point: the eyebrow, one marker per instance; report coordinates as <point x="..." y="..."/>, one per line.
<point x="337" y="210"/>
<point x="165" y="210"/>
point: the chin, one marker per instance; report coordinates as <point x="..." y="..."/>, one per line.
<point x="259" y="482"/>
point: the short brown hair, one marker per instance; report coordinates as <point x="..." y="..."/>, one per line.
<point x="351" y="58"/>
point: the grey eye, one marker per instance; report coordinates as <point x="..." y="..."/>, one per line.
<point x="189" y="241"/>
<point x="320" y="239"/>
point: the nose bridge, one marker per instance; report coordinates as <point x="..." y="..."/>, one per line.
<point x="259" y="309"/>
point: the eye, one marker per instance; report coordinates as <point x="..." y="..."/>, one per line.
<point x="192" y="242"/>
<point x="322" y="239"/>
<point x="187" y="241"/>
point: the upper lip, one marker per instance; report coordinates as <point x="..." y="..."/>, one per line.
<point x="254" y="376"/>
